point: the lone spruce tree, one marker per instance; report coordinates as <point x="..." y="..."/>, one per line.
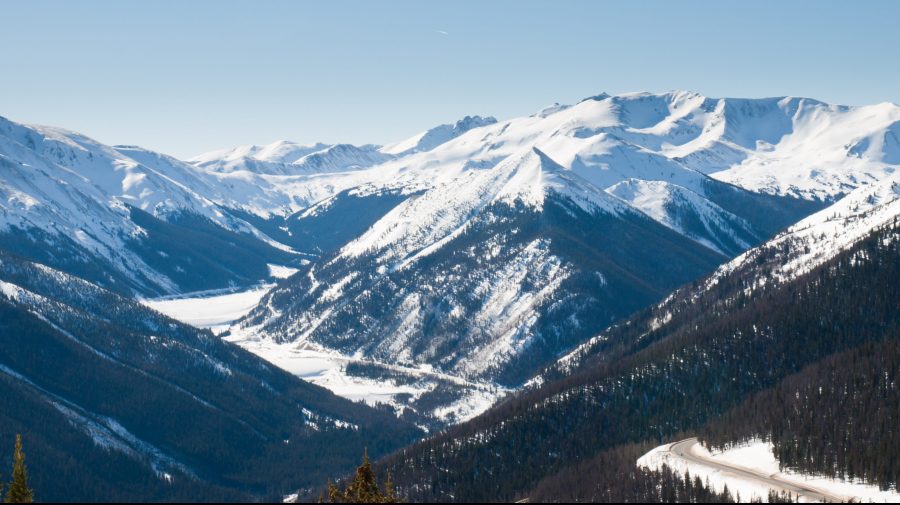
<point x="18" y="491"/>
<point x="364" y="488"/>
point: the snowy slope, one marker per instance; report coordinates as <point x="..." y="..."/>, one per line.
<point x="143" y="402"/>
<point x="444" y="211"/>
<point x="800" y="248"/>
<point x="821" y="236"/>
<point x="689" y="213"/>
<point x="255" y="192"/>
<point x="826" y="151"/>
<point x="340" y="158"/>
<point x="67" y="167"/>
<point x="95" y="211"/>
<point x="786" y="145"/>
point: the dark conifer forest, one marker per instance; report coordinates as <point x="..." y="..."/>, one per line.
<point x="839" y="417"/>
<point x="118" y="402"/>
<point x="810" y="363"/>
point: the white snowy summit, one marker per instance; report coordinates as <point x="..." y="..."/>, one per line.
<point x="436" y="136"/>
<point x="288" y="158"/>
<point x="278" y="152"/>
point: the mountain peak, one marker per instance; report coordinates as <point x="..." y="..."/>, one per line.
<point x="467" y="123"/>
<point x="430" y="139"/>
<point x="278" y="152"/>
<point x="597" y="98"/>
<point x="550" y="110"/>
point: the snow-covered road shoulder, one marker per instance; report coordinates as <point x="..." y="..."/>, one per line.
<point x="751" y="470"/>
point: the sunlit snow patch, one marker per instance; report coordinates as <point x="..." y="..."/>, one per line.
<point x="281" y="271"/>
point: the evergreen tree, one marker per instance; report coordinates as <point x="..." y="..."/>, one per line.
<point x="364" y="488"/>
<point x="19" y="492"/>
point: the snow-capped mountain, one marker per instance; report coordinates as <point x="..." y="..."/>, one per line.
<point x="775" y="146"/>
<point x="341" y="158"/>
<point x="239" y="158"/>
<point x="257" y="194"/>
<point x="138" y="221"/>
<point x="288" y="158"/>
<point x="515" y="235"/>
<point x="817" y="150"/>
<point x="807" y="362"/>
<point x="92" y="210"/>
<point x="505" y="257"/>
<point x="483" y="249"/>
<point x="496" y="266"/>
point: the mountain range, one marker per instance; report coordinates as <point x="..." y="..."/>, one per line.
<point x="515" y="277"/>
<point x="794" y="342"/>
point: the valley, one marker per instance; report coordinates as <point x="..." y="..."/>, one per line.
<point x="218" y="312"/>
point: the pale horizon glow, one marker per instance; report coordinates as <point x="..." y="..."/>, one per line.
<point x="184" y="78"/>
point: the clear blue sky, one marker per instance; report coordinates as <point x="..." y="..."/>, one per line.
<point x="184" y="77"/>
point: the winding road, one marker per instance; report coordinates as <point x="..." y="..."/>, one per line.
<point x="684" y="450"/>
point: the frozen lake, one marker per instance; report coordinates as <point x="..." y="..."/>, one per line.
<point x="217" y="309"/>
<point x="216" y="312"/>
